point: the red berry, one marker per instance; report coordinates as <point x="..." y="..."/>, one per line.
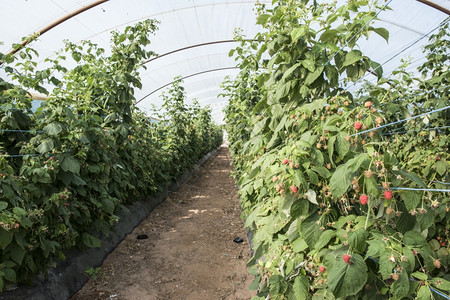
<point x="357" y="125"/>
<point x="438" y="158"/>
<point x="363" y="199"/>
<point x="51" y="157"/>
<point x="388" y="194"/>
<point x="346" y="258"/>
<point x="368" y="104"/>
<point x="294" y="189"/>
<point x="285" y="161"/>
<point x="322" y="269"/>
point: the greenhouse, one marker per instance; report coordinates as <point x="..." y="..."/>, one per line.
<point x="206" y="149"/>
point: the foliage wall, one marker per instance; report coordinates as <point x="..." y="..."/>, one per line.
<point x="347" y="193"/>
<point x="68" y="168"/>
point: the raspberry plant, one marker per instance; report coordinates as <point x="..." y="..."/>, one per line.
<point x="86" y="152"/>
<point x="318" y="191"/>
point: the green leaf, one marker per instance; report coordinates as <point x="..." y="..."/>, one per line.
<point x="411" y="199"/>
<point x="310" y="230"/>
<point x="375" y="248"/>
<point x="19" y="212"/>
<point x="108" y="205"/>
<point x="371" y="187"/>
<point x="424" y="293"/>
<point x="357" y="239"/>
<point x="347" y="279"/>
<point x="328" y="35"/>
<point x="10" y="274"/>
<point x="3" y="205"/>
<point x="53" y="128"/>
<point x="301" y="287"/>
<point x="5" y="238"/>
<point x="46" y="146"/>
<point x="342" y="146"/>
<point x="340" y="181"/>
<point x="277" y="285"/>
<point x="17" y="254"/>
<point x="91" y="241"/>
<point x="420" y="276"/>
<point x="401" y="286"/>
<point x="383" y="32"/>
<point x="352" y="57"/>
<point x="312" y="76"/>
<point x="298" y="32"/>
<point x="386" y="265"/>
<point x="70" y="164"/>
<point x="441" y="167"/>
<point x="262" y="19"/>
<point x="324" y="239"/>
<point x="441" y="284"/>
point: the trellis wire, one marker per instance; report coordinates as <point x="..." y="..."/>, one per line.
<point x="406" y="48"/>
<point x="18" y="155"/>
<point x="415" y="95"/>
<point x="416" y="189"/>
<point x="415" y="130"/>
<point x="401" y="121"/>
<point x="20" y="130"/>
<point x="441" y="182"/>
<point x="353" y="37"/>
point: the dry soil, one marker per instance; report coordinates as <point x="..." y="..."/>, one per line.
<point x="189" y="252"/>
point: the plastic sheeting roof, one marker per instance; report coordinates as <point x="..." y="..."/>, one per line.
<point x="185" y="23"/>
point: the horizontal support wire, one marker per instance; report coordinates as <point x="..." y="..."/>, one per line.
<point x="416" y="189"/>
<point x="401" y="121"/>
<point x="415" y="130"/>
<point x="441" y="182"/>
<point x="20" y="130"/>
<point x="404" y="49"/>
<point x="18" y="155"/>
<point x="415" y="95"/>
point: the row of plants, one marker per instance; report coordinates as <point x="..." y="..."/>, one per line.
<point x="346" y="198"/>
<point x="68" y="169"/>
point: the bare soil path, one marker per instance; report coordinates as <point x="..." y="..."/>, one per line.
<point x="189" y="253"/>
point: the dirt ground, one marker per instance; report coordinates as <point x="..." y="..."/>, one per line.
<point x="189" y="252"/>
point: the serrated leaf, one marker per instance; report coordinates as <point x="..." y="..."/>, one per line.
<point x="312" y="76"/>
<point x="45" y="146"/>
<point x="411" y="199"/>
<point x="298" y="32"/>
<point x="441" y="284"/>
<point x="3" y="205"/>
<point x="375" y="248"/>
<point x="357" y="239"/>
<point x="324" y="239"/>
<point x="301" y="287"/>
<point x="340" y="181"/>
<point x="262" y="19"/>
<point x="400" y="287"/>
<point x="347" y="279"/>
<point x="342" y="146"/>
<point x="420" y="276"/>
<point x="17" y="254"/>
<point x="70" y="164"/>
<point x="53" y="128"/>
<point x="352" y="57"/>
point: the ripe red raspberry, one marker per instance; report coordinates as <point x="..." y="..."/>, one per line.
<point x="285" y="161"/>
<point x="368" y="104"/>
<point x="346" y="258"/>
<point x="388" y="194"/>
<point x="294" y="189"/>
<point x="357" y="125"/>
<point x="363" y="199"/>
<point x="322" y="269"/>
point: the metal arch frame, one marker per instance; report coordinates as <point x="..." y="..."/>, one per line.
<point x="98" y="2"/>
<point x="185" y="77"/>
